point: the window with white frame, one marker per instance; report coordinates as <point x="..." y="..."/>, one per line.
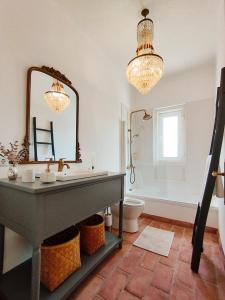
<point x="169" y="134"/>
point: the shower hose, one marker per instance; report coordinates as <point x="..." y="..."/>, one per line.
<point x="132" y="174"/>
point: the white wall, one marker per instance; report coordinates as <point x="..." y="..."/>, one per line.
<point x="37" y="33"/>
<point x="219" y="64"/>
<point x="194" y="88"/>
<point x="192" y="84"/>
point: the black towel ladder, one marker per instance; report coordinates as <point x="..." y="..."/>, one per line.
<point x="215" y="149"/>
<point x="35" y="129"/>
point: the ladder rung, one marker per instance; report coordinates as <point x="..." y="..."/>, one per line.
<point x="44" y="143"/>
<point x="41" y="129"/>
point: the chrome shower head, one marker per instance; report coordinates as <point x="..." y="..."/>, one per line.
<point x="147" y="117"/>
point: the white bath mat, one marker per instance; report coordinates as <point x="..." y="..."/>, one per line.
<point x="155" y="240"/>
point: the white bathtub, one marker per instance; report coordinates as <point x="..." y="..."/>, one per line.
<point x="174" y="201"/>
<point x="176" y="193"/>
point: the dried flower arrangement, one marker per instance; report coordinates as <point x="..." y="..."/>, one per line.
<point x="12" y="154"/>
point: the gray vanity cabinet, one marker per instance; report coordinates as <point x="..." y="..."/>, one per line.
<point x="37" y="211"/>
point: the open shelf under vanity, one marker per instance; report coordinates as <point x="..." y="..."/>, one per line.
<point x="15" y="284"/>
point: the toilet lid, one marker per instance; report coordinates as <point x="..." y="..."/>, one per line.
<point x="133" y="202"/>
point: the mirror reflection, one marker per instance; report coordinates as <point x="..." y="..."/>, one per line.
<point x="53" y="113"/>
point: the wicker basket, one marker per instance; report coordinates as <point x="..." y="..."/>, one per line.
<point x="92" y="234"/>
<point x="60" y="256"/>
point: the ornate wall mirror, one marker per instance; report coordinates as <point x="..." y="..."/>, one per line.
<point x="52" y="117"/>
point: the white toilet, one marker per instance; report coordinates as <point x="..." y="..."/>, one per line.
<point x="132" y="208"/>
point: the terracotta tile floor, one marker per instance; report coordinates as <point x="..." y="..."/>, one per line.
<point x="133" y="273"/>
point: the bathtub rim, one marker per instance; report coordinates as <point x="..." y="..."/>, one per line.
<point x="172" y="202"/>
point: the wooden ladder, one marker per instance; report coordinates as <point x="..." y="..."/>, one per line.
<point x="35" y="129"/>
<point x="215" y="149"/>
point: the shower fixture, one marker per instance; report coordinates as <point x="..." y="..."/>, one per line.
<point x="145" y="118"/>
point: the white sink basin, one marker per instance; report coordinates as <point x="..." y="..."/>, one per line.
<point x="79" y="175"/>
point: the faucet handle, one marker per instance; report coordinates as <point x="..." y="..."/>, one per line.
<point x="50" y="160"/>
<point x="49" y="163"/>
<point x="61" y="159"/>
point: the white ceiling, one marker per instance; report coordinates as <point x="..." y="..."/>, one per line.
<point x="185" y="30"/>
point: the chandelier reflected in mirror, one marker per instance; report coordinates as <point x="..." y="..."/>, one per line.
<point x="56" y="98"/>
<point x="146" y="69"/>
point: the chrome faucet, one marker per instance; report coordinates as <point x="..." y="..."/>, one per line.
<point x="61" y="165"/>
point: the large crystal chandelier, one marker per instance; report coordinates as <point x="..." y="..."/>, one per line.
<point x="146" y="69"/>
<point x="56" y="98"/>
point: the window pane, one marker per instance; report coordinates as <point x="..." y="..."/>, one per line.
<point x="170" y="136"/>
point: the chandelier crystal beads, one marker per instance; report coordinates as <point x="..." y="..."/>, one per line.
<point x="146" y="69"/>
<point x="56" y="98"/>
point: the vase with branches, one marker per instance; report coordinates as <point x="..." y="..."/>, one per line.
<point x="12" y="155"/>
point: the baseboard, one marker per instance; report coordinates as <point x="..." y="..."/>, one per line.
<point x="177" y="222"/>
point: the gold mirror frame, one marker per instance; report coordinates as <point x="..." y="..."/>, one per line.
<point x="24" y="153"/>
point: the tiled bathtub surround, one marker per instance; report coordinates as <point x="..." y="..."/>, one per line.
<point x="133" y="273"/>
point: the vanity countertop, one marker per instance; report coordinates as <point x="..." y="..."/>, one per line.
<point x="38" y="187"/>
